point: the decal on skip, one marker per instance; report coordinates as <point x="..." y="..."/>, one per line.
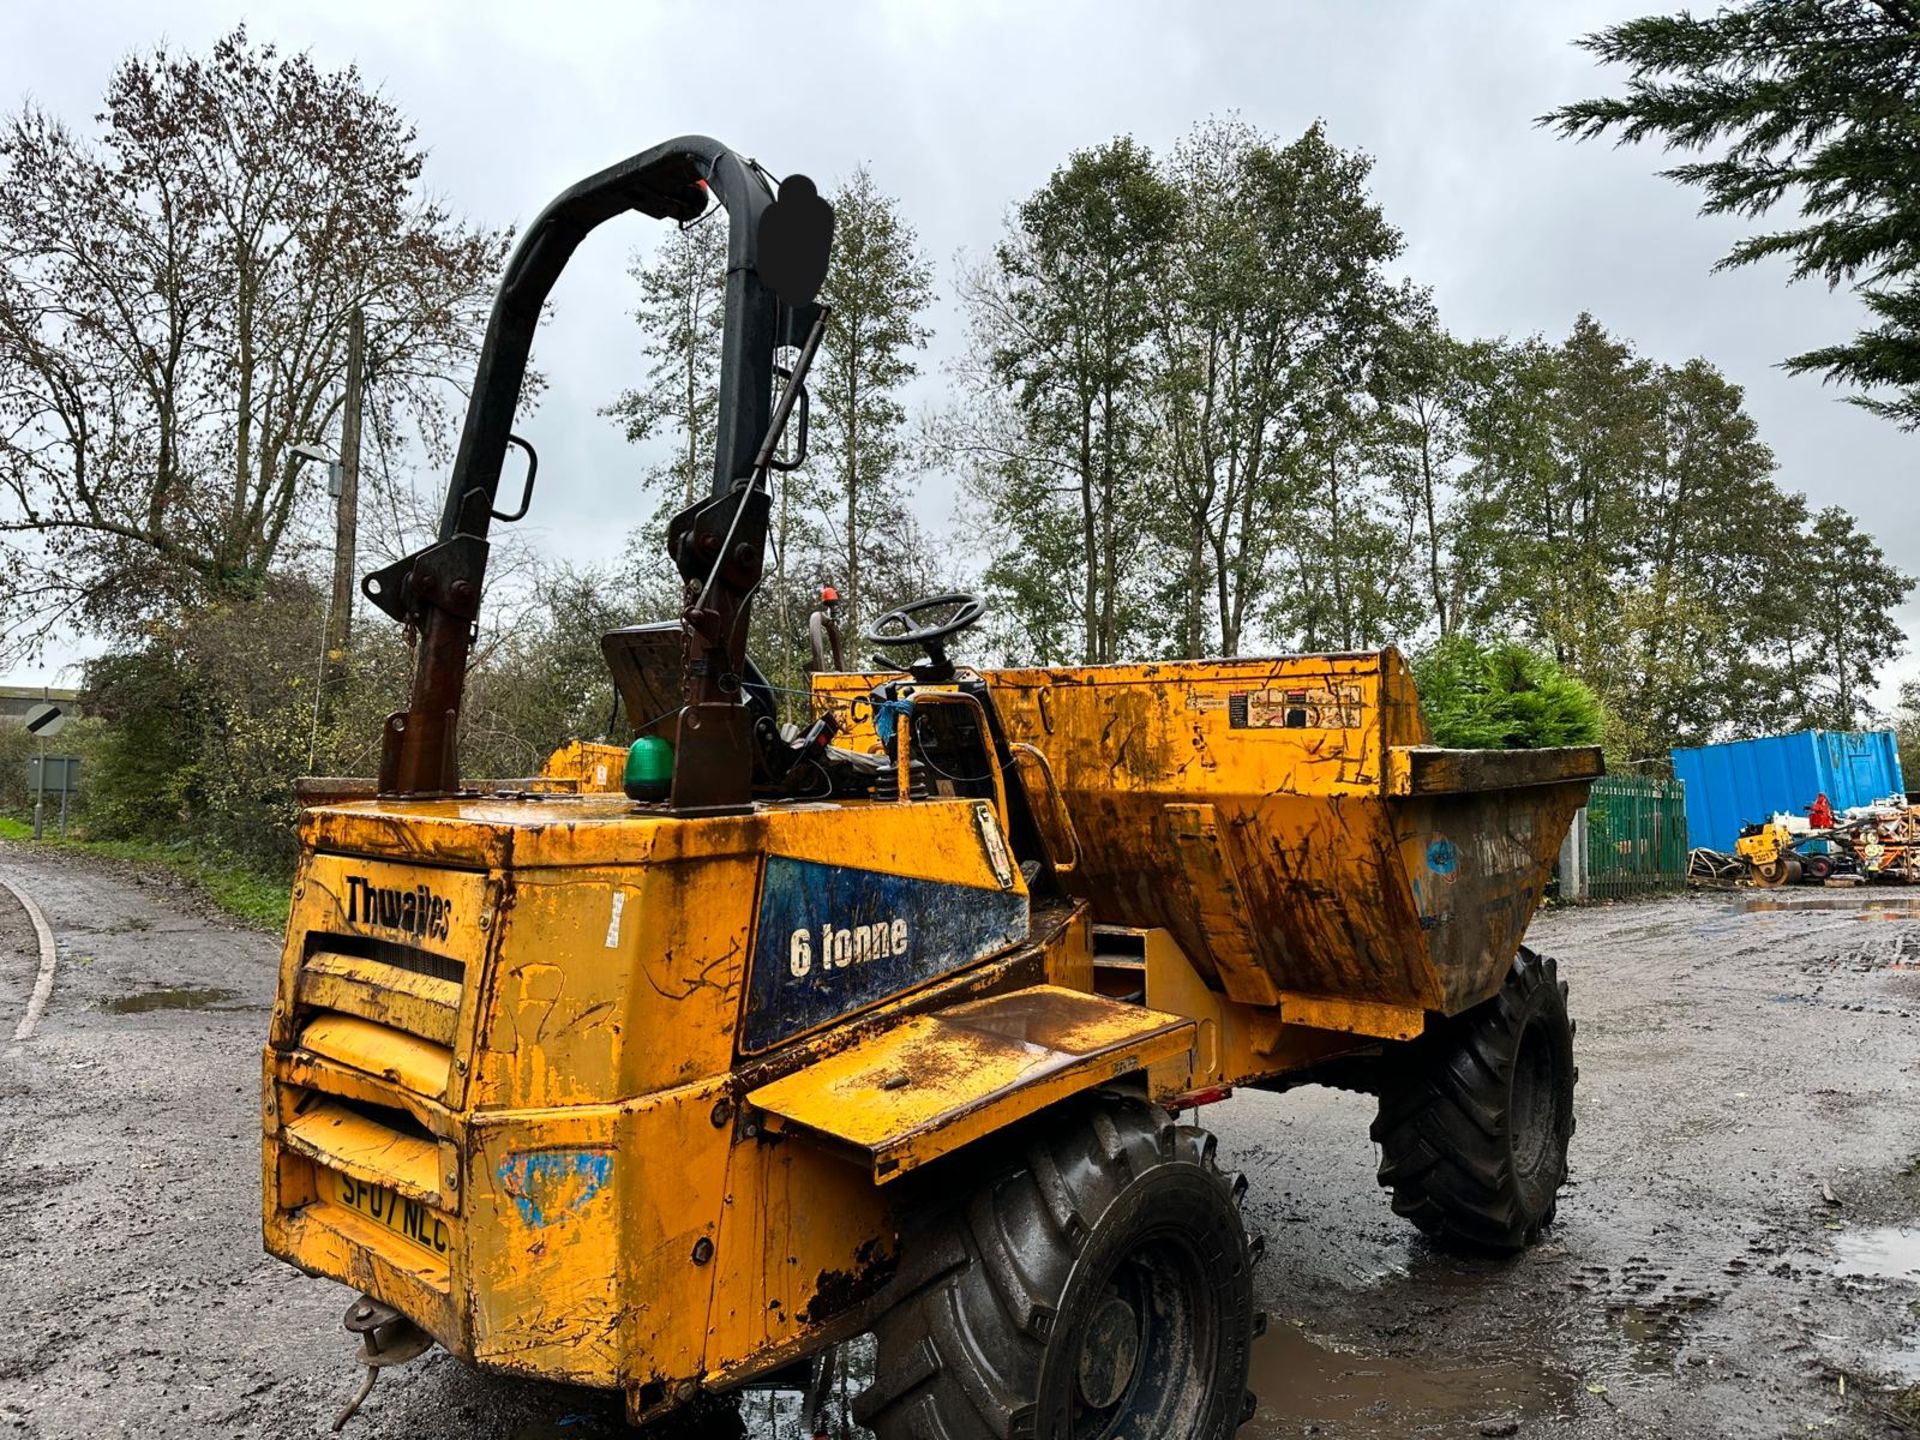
<point x="1323" y="707"/>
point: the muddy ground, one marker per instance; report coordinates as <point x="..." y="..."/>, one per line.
<point x="1738" y="1240"/>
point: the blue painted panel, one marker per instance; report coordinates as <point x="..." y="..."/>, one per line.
<point x="550" y="1185"/>
<point x="832" y="940"/>
<point x="1746" y="781"/>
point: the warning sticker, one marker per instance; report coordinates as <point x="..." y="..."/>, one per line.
<point x="1318" y="708"/>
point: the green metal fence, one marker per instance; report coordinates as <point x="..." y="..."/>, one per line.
<point x="1632" y="837"/>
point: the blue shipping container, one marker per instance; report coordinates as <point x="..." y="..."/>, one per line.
<point x="1747" y="781"/>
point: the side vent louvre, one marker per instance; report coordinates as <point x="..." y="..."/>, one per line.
<point x="373" y="1049"/>
<point x="387" y="952"/>
<point x="383" y="1008"/>
<point x="1120" y="964"/>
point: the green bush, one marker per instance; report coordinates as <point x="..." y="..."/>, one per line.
<point x="207" y="722"/>
<point x="1503" y="696"/>
<point x="17" y="747"/>
<point x="204" y="723"/>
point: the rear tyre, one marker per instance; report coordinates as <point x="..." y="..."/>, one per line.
<point x="1475" y="1116"/>
<point x="1817" y="868"/>
<point x="1098" y="1288"/>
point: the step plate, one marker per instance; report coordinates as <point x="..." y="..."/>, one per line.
<point x="934" y="1083"/>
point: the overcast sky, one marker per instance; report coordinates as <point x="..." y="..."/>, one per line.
<point x="961" y="109"/>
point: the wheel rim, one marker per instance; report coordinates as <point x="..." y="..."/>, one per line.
<point x="1531" y="1104"/>
<point x="1148" y="1348"/>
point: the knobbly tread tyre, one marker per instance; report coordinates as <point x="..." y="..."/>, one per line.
<point x="1447" y="1151"/>
<point x="971" y="1322"/>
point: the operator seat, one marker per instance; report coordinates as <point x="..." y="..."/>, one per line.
<point x="645" y="661"/>
<point x="646" y="664"/>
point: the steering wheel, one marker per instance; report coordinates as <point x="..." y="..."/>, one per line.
<point x="897" y="627"/>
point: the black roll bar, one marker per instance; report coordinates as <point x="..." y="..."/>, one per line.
<point x="669" y="182"/>
<point x="438" y="589"/>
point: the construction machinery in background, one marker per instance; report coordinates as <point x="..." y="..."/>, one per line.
<point x="679" y="1067"/>
<point x="1877" y="842"/>
<point x="1773" y="853"/>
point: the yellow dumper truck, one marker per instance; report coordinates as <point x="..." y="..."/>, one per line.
<point x="678" y="1067"/>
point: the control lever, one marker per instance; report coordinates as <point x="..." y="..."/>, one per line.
<point x="779" y="757"/>
<point x="815" y="740"/>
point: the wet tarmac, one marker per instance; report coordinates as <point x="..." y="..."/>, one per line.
<point x="1738" y="1253"/>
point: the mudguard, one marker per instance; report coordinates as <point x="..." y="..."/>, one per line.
<point x="934" y="1083"/>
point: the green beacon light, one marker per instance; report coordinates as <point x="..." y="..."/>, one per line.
<point x="649" y="769"/>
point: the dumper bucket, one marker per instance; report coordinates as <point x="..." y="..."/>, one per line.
<point x="1288" y="822"/>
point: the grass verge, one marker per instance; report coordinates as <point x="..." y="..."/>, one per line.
<point x="240" y="890"/>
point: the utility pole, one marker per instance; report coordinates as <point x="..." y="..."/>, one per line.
<point x="346" y="510"/>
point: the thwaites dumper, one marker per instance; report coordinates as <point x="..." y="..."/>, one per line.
<point x="882" y="1025"/>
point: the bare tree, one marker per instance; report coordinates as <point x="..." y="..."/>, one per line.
<point x="174" y="302"/>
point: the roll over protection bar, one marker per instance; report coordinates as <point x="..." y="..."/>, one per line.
<point x="438" y="589"/>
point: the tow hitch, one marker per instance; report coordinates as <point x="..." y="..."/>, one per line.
<point x="386" y="1338"/>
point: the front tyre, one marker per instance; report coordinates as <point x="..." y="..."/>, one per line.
<point x="1098" y="1289"/>
<point x="1475" y="1116"/>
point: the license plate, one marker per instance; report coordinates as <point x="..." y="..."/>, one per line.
<point x="408" y="1219"/>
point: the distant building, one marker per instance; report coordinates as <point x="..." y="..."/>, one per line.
<point x="17" y="700"/>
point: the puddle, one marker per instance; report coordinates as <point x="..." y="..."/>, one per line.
<point x="1653" y="1333"/>
<point x="188" y="997"/>
<point x="1302" y="1382"/>
<point x="1901" y="1364"/>
<point x="1879" y="907"/>
<point x="1891" y="1253"/>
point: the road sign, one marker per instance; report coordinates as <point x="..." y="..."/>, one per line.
<point x="46" y="720"/>
<point x="58" y="773"/>
<point x="53" y="772"/>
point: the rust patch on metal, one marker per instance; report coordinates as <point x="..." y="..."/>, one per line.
<point x="837" y="1291"/>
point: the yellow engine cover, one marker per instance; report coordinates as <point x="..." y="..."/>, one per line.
<point x="507" y="1072"/>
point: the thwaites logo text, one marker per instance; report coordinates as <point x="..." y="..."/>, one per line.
<point x="417" y="912"/>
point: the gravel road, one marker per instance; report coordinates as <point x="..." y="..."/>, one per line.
<point x="1738" y="1253"/>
